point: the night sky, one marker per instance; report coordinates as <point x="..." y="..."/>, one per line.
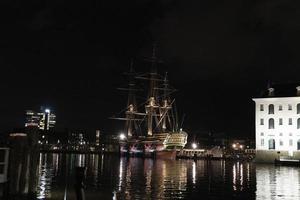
<point x="70" y="57"/>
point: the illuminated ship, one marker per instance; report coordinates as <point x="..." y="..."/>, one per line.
<point x="153" y="132"/>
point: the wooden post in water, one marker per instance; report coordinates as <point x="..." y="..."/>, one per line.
<point x="24" y="162"/>
<point x="79" y="182"/>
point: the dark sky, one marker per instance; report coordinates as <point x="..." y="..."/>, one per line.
<point x="70" y="57"/>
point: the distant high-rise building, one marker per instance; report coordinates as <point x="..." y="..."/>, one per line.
<point x="97" y="137"/>
<point x="44" y="120"/>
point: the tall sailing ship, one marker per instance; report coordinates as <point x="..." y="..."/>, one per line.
<point x="151" y="128"/>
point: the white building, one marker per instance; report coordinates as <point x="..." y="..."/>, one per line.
<point x="278" y="123"/>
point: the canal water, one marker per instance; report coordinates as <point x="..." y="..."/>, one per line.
<point x="112" y="177"/>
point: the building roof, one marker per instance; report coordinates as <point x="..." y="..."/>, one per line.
<point x="281" y="90"/>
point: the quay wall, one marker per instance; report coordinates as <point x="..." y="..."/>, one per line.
<point x="269" y="156"/>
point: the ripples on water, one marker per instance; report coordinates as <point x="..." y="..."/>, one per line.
<point x="111" y="177"/>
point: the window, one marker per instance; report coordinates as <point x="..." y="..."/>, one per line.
<point x="298" y="123"/>
<point x="298" y="145"/>
<point x="291" y="142"/>
<point x="280" y="107"/>
<point x="298" y="108"/>
<point x="290" y="121"/>
<point x="271" y="109"/>
<point x="271" y="144"/>
<point x="261" y="134"/>
<point x="280" y="121"/>
<point x="290" y="134"/>
<point x="271" y="123"/>
<point x="261" y="107"/>
<point x="262" y="142"/>
<point x="281" y="143"/>
<point x="280" y="134"/>
<point x="261" y="121"/>
<point x="290" y="106"/>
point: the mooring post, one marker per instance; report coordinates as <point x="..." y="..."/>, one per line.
<point x="80" y="173"/>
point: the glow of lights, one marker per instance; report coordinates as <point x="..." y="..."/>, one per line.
<point x="122" y="136"/>
<point x="47" y="110"/>
<point x="233" y="145"/>
<point x="241" y="146"/>
<point x="43" y="136"/>
<point x="194" y="145"/>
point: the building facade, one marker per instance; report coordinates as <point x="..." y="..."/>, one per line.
<point x="277" y="125"/>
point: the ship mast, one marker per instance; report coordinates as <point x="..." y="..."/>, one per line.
<point x="151" y="106"/>
<point x="131" y="102"/>
<point x="131" y="108"/>
<point x="165" y="107"/>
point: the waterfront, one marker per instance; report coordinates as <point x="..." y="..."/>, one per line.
<point x="111" y="177"/>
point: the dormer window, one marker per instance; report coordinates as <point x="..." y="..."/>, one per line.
<point x="298" y="90"/>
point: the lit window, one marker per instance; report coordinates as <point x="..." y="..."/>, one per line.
<point x="271" y="123"/>
<point x="271" y="109"/>
<point x="290" y="121"/>
<point x="291" y="142"/>
<point x="262" y="142"/>
<point x="280" y="121"/>
<point x="261" y="107"/>
<point x="280" y="107"/>
<point x="281" y="143"/>
<point x="261" y="121"/>
<point x="290" y="106"/>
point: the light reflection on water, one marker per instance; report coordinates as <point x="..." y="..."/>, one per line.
<point x="111" y="177"/>
<point x="277" y="182"/>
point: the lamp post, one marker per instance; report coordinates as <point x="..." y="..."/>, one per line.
<point x="122" y="136"/>
<point x="194" y="146"/>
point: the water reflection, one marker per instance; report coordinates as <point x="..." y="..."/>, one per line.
<point x="238" y="176"/>
<point x="111" y="177"/>
<point x="274" y="182"/>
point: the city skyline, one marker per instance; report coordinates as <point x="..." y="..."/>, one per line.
<point x="218" y="55"/>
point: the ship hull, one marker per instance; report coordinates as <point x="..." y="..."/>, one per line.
<point x="164" y="154"/>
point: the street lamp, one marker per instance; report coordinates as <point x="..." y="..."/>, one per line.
<point x="194" y="146"/>
<point x="122" y="136"/>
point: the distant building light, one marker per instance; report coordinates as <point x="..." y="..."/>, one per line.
<point x="241" y="146"/>
<point x="18" y="135"/>
<point x="47" y="110"/>
<point x="233" y="145"/>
